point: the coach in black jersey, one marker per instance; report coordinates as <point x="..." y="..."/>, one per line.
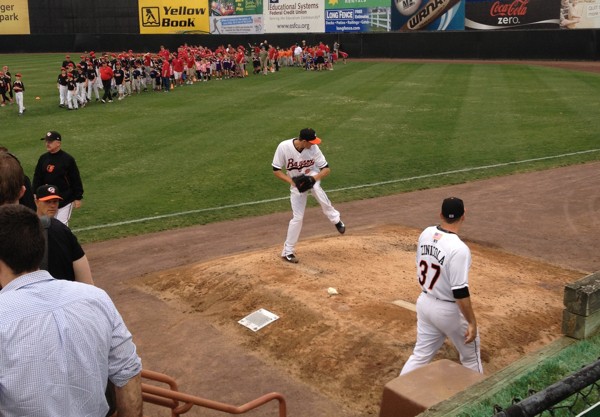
<point x="58" y="168"/>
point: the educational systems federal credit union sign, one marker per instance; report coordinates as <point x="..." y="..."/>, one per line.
<point x="173" y="16"/>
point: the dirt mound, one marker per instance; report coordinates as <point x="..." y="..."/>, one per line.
<point x="349" y="345"/>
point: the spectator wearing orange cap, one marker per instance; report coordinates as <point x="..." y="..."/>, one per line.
<point x="66" y="258"/>
<point x="19" y="89"/>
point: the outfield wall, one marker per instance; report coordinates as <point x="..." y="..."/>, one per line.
<point x="580" y="44"/>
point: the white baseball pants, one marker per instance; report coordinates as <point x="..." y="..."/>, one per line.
<point x="64" y="214"/>
<point x="436" y="320"/>
<point x="62" y="92"/>
<point x="81" y="93"/>
<point x="298" y="202"/>
<point x="92" y="88"/>
<point x="19" y="100"/>
<point x="72" y="101"/>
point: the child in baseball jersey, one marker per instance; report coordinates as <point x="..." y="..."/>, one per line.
<point x="299" y="156"/>
<point x="3" y="89"/>
<point x="19" y="89"/>
<point x="72" y="102"/>
<point x="62" y="87"/>
<point x="444" y="306"/>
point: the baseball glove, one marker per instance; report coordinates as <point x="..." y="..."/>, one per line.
<point x="304" y="182"/>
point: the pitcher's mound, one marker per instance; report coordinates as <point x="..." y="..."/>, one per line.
<point x="350" y="345"/>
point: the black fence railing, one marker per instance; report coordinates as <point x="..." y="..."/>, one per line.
<point x="567" y="397"/>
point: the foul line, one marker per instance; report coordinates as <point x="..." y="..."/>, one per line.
<point x="355" y="187"/>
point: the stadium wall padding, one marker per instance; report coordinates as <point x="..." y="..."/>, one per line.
<point x="579" y="44"/>
<point x="72" y="16"/>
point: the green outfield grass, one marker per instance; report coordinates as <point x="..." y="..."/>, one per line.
<point x="207" y="148"/>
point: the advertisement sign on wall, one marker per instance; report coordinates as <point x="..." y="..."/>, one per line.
<point x="14" y="17"/>
<point x="357" y="16"/>
<point x="173" y="16"/>
<point x="512" y="14"/>
<point x="236" y="17"/>
<point x="237" y="7"/>
<point x="430" y="15"/>
<point x="356" y="4"/>
<point x="580" y="14"/>
<point x="347" y="20"/>
<point x="236" y="25"/>
<point x="294" y="16"/>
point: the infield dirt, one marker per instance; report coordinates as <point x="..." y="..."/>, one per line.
<point x="182" y="292"/>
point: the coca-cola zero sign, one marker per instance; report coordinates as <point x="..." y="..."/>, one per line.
<point x="512" y="14"/>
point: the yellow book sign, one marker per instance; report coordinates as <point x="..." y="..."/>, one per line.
<point x="14" y="17"/>
<point x="173" y="16"/>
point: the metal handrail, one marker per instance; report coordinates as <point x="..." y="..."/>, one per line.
<point x="554" y="394"/>
<point x="171" y="398"/>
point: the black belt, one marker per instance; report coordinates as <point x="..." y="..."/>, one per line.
<point x="439" y="299"/>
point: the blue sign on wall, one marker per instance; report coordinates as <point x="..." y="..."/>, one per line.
<point x="346" y="20"/>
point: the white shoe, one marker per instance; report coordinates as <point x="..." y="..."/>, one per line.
<point x="291" y="258"/>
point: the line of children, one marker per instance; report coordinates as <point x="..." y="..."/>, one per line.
<point x="78" y="84"/>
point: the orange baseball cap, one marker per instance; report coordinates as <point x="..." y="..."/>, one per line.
<point x="47" y="193"/>
<point x="309" y="135"/>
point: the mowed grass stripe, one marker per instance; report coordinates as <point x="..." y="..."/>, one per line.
<point x="575" y="116"/>
<point x="489" y="104"/>
<point x="331" y="191"/>
<point x="209" y="145"/>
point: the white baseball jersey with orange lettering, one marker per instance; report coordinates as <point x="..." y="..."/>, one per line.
<point x="295" y="163"/>
<point x="308" y="162"/>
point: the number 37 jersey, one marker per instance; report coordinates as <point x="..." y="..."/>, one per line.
<point x="443" y="262"/>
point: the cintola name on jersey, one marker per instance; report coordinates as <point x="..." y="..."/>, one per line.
<point x="433" y="251"/>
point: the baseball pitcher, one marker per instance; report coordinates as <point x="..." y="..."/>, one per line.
<point x="305" y="167"/>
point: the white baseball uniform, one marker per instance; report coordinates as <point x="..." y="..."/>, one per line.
<point x="443" y="262"/>
<point x="308" y="162"/>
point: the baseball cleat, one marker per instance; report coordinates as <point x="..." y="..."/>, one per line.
<point x="341" y="227"/>
<point x="291" y="258"/>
